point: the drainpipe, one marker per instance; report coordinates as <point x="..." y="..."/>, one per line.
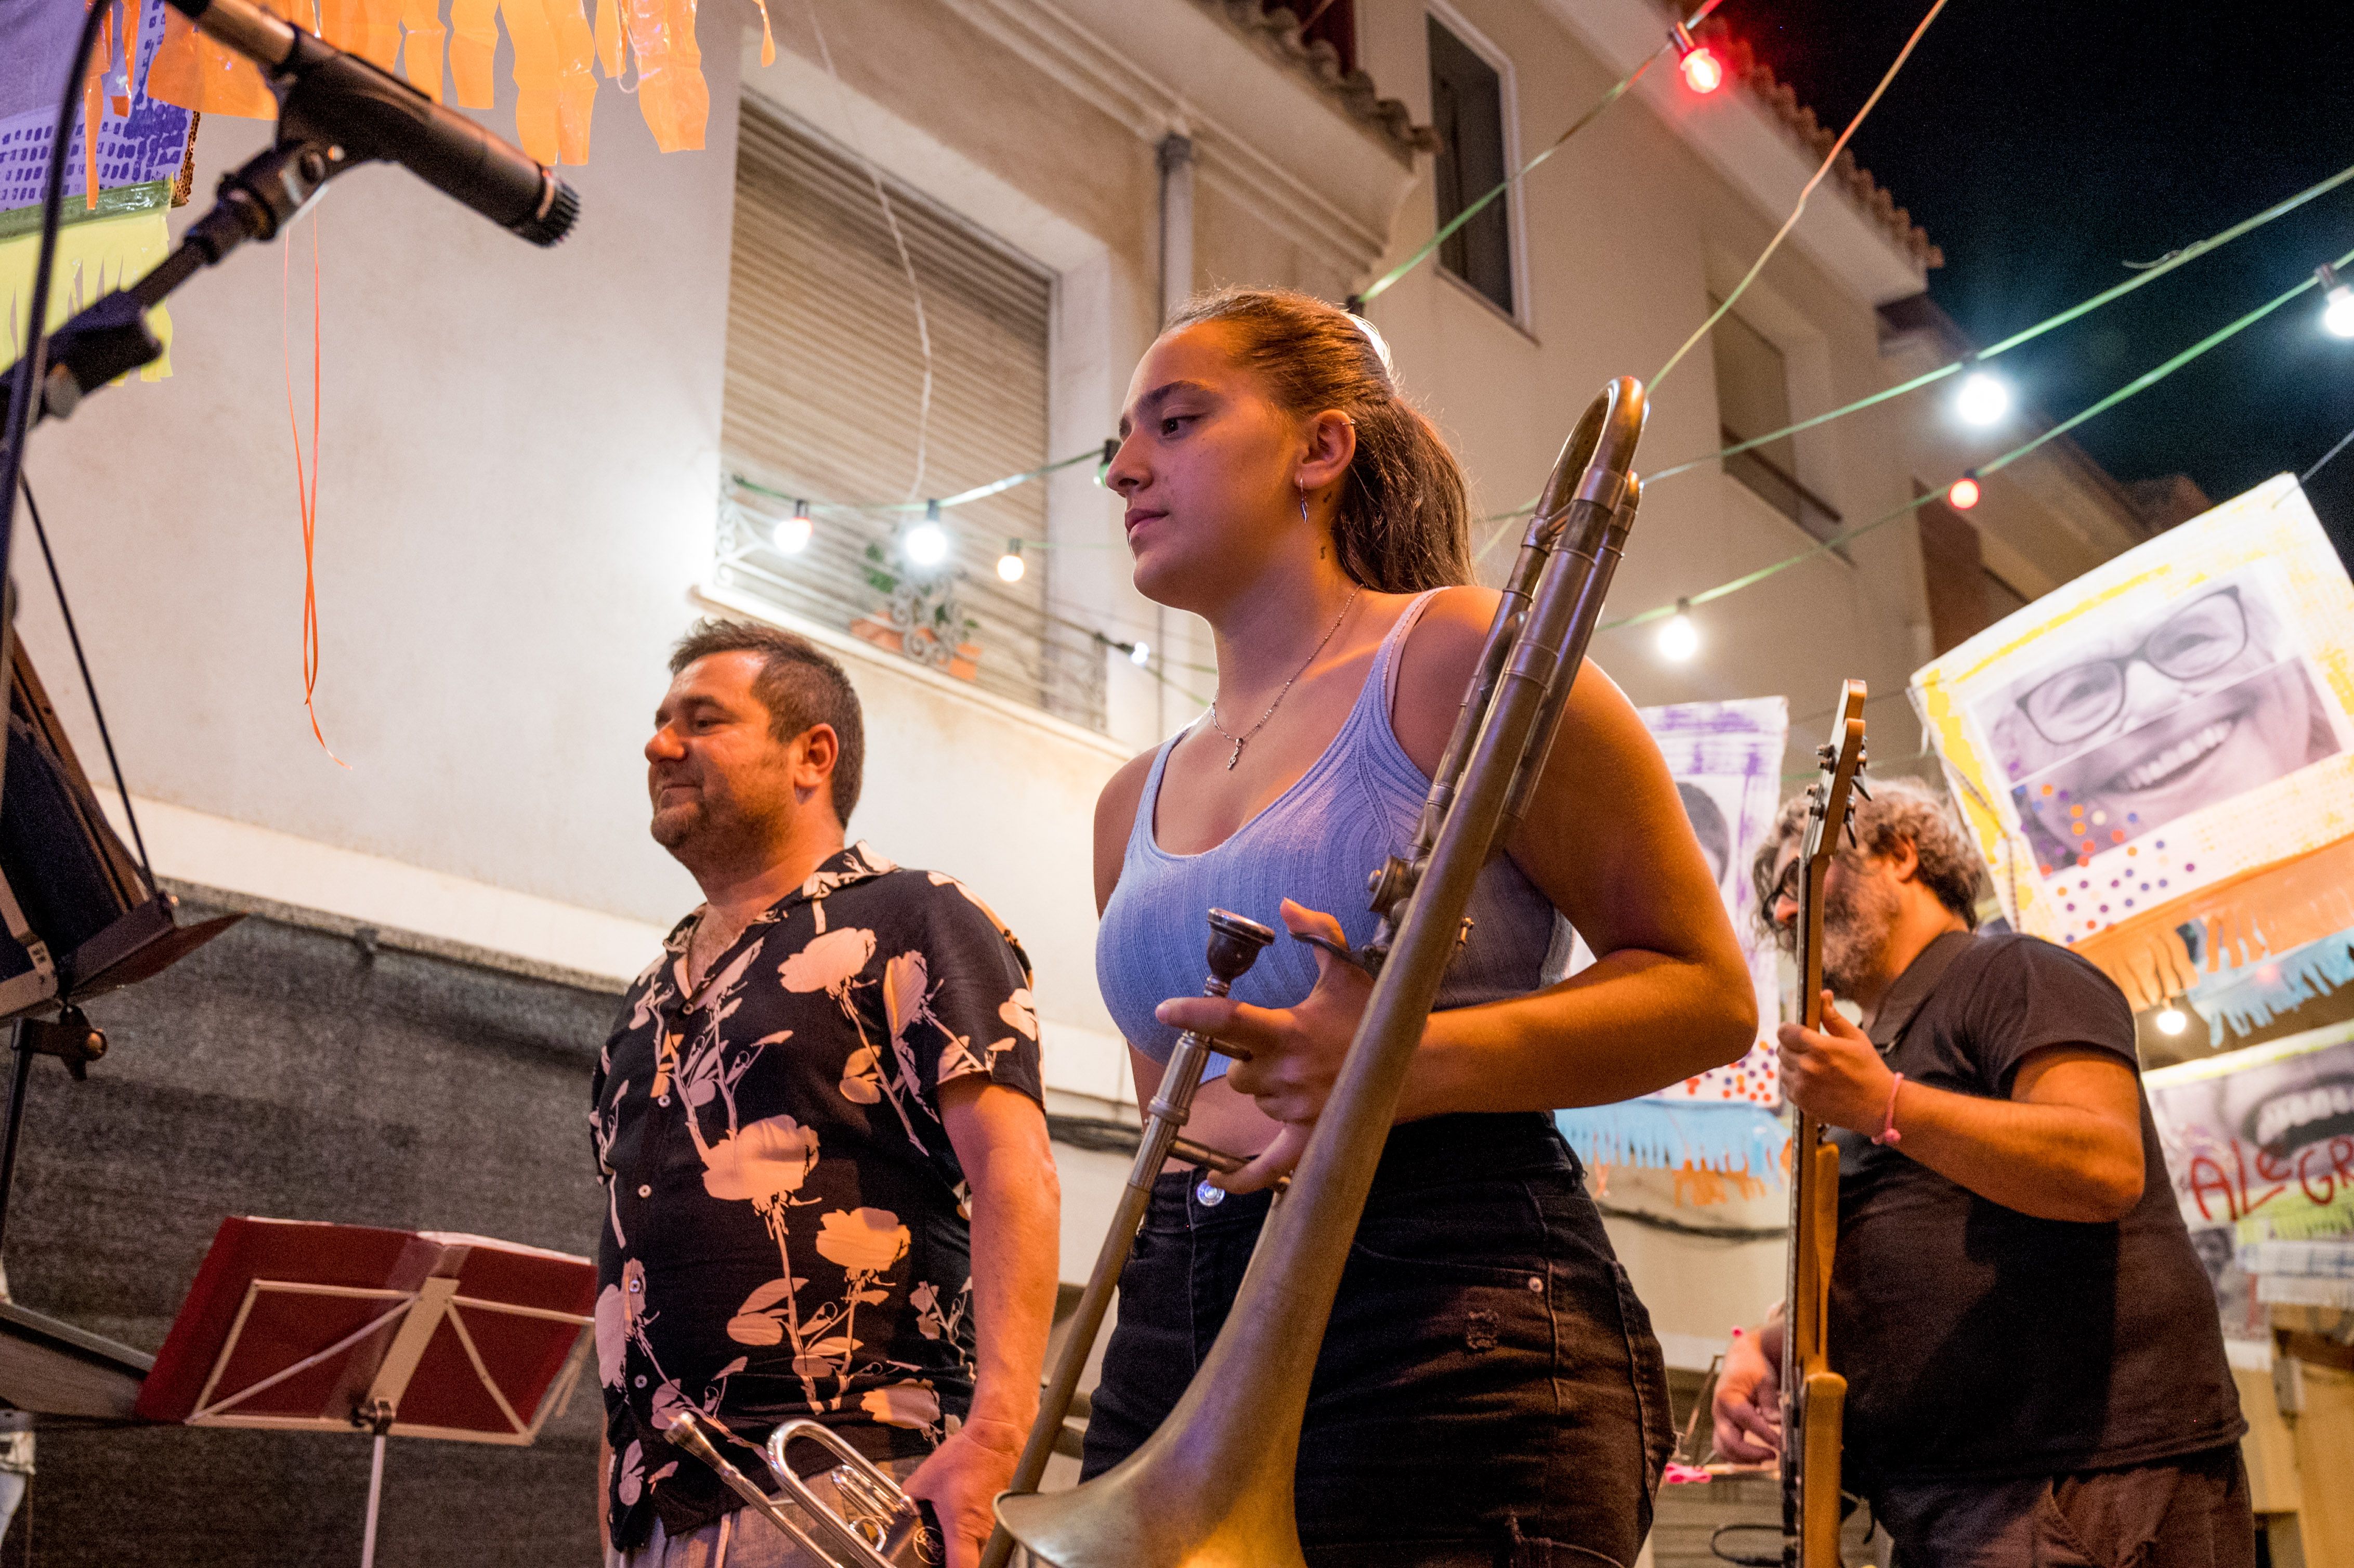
<point x="1176" y="161"/>
<point x="1176" y="158"/>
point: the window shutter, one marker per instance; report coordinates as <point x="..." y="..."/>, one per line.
<point x="824" y="378"/>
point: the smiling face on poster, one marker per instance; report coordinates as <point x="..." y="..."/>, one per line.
<point x="2141" y="718"/>
<point x="2166" y="725"/>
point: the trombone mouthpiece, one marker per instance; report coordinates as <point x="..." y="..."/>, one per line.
<point x="1235" y="944"/>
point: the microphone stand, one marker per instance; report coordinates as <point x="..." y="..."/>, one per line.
<point x="111" y="338"/>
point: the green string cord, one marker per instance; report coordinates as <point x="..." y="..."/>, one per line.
<point x="1618" y="89"/>
<point x="1381" y="285"/>
<point x="2139" y="383"/>
<point x="962" y="498"/>
<point x="1804" y="196"/>
<point x="2181" y="258"/>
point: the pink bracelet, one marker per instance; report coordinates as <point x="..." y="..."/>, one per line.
<point x="1888" y="1133"/>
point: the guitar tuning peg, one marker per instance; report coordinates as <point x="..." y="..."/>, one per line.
<point x="1857" y="784"/>
<point x="1825" y="754"/>
<point x="1852" y="841"/>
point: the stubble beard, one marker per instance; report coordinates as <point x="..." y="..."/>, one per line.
<point x="1857" y="917"/>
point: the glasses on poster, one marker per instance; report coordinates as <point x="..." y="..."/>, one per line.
<point x="2147" y="718"/>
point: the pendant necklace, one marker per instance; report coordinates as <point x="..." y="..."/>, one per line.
<point x="1244" y="739"/>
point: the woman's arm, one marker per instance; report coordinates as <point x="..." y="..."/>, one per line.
<point x="1607" y="841"/>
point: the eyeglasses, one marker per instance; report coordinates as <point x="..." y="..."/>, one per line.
<point x="1787" y="886"/>
<point x="2195" y="641"/>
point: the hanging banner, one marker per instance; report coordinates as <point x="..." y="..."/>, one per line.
<point x="2262" y="1140"/>
<point x="118" y="187"/>
<point x="2157" y="760"/>
<point x="1726" y="760"/>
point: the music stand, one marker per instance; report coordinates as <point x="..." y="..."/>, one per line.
<point x="300" y="1326"/>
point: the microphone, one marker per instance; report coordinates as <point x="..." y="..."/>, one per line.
<point x="358" y="112"/>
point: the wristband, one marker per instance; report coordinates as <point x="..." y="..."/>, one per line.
<point x="1888" y="1135"/>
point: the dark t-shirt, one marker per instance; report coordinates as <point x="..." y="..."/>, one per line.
<point x="784" y="1231"/>
<point x="1980" y="1342"/>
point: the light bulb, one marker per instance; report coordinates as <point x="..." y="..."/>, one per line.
<point x="1009" y="565"/>
<point x="2338" y="311"/>
<point x="2172" y="1019"/>
<point x="1140" y="653"/>
<point x="1703" y="72"/>
<point x="926" y="543"/>
<point x="1680" y="639"/>
<point x="1983" y="399"/>
<point x="1963" y="493"/>
<point x="791" y="534"/>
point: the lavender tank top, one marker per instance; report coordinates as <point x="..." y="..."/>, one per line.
<point x="1316" y="843"/>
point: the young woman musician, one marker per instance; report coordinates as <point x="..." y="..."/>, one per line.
<point x="1489" y="1390"/>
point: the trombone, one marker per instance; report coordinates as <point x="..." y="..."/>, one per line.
<point x="879" y="1525"/>
<point x="1213" y="1488"/>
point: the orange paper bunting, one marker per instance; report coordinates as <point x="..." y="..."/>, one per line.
<point x="557" y="54"/>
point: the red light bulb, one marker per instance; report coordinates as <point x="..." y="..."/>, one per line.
<point x="1703" y="72"/>
<point x="1963" y="493"/>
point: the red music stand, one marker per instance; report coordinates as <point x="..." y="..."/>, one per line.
<point x="321" y="1328"/>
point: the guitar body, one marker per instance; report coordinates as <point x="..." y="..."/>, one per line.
<point x="1814" y="1397"/>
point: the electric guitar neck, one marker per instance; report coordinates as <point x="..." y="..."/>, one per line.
<point x="1814" y="1397"/>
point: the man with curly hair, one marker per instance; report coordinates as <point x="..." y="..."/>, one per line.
<point x="2035" y="1372"/>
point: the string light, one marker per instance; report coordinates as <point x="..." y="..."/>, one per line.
<point x="791" y="534"/>
<point x="1703" y="72"/>
<point x="1680" y="639"/>
<point x="1984" y="398"/>
<point x="2172" y="1019"/>
<point x="926" y="543"/>
<point x="2337" y="302"/>
<point x="1963" y="493"/>
<point x="1140" y="653"/>
<point x="1009" y="565"/>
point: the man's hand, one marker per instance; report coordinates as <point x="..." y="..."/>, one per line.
<point x="961" y="1480"/>
<point x="1295" y="1051"/>
<point x="1748" y="1406"/>
<point x="1836" y="1075"/>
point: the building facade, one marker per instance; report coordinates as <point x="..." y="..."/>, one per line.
<point x="539" y="466"/>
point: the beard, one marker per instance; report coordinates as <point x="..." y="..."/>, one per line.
<point x="1857" y="915"/>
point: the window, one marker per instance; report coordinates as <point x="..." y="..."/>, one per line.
<point x="1467" y="107"/>
<point x="1753" y="397"/>
<point x="1332" y="22"/>
<point x="824" y="376"/>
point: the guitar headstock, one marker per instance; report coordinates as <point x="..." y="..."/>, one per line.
<point x="1830" y="812"/>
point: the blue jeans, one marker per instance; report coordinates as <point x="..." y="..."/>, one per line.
<point x="1488" y="1391"/>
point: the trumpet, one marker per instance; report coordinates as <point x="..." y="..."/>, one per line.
<point x="880" y="1526"/>
<point x="1213" y="1488"/>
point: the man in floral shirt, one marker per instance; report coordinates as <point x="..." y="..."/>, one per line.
<point x="828" y="1187"/>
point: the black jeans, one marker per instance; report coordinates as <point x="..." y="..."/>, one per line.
<point x="2186" y="1512"/>
<point x="1489" y="1393"/>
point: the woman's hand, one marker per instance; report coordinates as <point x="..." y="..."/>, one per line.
<point x="1295" y="1051"/>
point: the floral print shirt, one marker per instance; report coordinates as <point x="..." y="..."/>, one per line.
<point x="786" y="1231"/>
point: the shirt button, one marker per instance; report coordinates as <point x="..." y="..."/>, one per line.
<point x="663" y="1101"/>
<point x="649" y="1191"/>
<point x="1535" y="1283"/>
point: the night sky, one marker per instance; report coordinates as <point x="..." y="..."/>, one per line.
<point x="2043" y="146"/>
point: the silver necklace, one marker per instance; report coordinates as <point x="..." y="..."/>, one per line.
<point x="1242" y="739"/>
